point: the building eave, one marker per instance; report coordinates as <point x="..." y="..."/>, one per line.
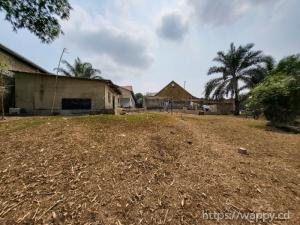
<point x="22" y="58"/>
<point x="108" y="82"/>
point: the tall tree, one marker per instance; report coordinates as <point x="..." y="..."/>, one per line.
<point x="139" y="99"/>
<point x="258" y="74"/>
<point x="40" y="17"/>
<point x="80" y="69"/>
<point x="238" y="66"/>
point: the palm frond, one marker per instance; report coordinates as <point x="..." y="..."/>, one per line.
<point x="269" y="62"/>
<point x="221" y="57"/>
<point x="220" y="90"/>
<point x="248" y="46"/>
<point x="80" y="69"/>
<point x="63" y="71"/>
<point x="244" y="87"/>
<point x="211" y="85"/>
<point x="217" y="69"/>
<point x="71" y="70"/>
<point x="247" y="81"/>
<point x="230" y="89"/>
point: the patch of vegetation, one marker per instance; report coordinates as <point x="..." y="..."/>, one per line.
<point x="238" y="66"/>
<point x="139" y="100"/>
<point x="24" y="123"/>
<point x="278" y="95"/>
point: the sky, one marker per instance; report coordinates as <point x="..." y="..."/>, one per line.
<point x="149" y="43"/>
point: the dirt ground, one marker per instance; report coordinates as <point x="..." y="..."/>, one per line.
<point x="146" y="168"/>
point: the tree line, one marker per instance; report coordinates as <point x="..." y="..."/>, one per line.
<point x="257" y="82"/>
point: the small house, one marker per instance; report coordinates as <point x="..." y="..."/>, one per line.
<point x="175" y="97"/>
<point x="35" y="91"/>
<point x="171" y="96"/>
<point x="43" y="94"/>
<point x="127" y="99"/>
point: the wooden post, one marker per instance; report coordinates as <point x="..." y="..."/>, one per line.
<point x="56" y="78"/>
<point x="172" y="106"/>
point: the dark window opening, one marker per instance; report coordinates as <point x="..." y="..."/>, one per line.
<point x="76" y="103"/>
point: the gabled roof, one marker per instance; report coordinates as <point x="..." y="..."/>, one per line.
<point x="174" y="90"/>
<point x="129" y="87"/>
<point x="22" y="58"/>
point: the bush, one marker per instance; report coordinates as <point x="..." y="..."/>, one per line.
<point x="279" y="94"/>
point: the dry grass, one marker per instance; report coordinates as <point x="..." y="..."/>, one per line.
<point x="144" y="169"/>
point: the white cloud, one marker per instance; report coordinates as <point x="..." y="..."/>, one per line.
<point x="126" y="46"/>
<point x="222" y="12"/>
<point x="128" y="4"/>
<point x="173" y="26"/>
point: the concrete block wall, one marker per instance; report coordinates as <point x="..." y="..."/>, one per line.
<point x="34" y="93"/>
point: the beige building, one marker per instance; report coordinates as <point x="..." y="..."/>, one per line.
<point x="127" y="99"/>
<point x="34" y="94"/>
<point x="173" y="96"/>
<point x="31" y="88"/>
<point x="16" y="62"/>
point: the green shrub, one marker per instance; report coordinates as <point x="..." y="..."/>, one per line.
<point x="279" y="94"/>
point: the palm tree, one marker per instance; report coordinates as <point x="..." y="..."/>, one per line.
<point x="239" y="66"/>
<point x="80" y="69"/>
<point x="258" y="74"/>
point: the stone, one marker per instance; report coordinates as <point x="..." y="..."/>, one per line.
<point x="243" y="151"/>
